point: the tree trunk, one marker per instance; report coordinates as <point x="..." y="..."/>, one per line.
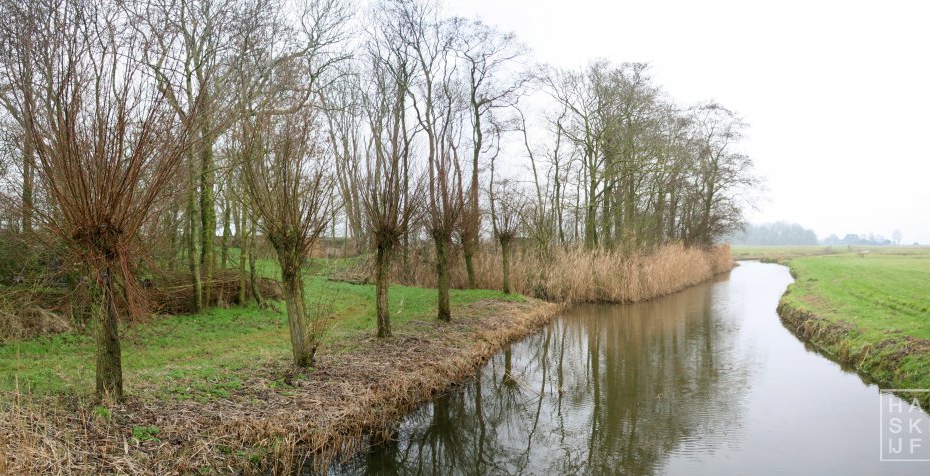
<point x="629" y="216"/>
<point x="243" y="252"/>
<point x="303" y="343"/>
<point x="474" y="223"/>
<point x="705" y="236"/>
<point x="29" y="143"/>
<point x="557" y="204"/>
<point x="590" y="228"/>
<point x="672" y="230"/>
<point x="505" y="257"/>
<point x="224" y="250"/>
<point x="590" y="219"/>
<point x="469" y="251"/>
<point x="605" y="234"/>
<point x="442" y="271"/>
<point x="207" y="213"/>
<point x="193" y="239"/>
<point x="382" y="283"/>
<point x="174" y="246"/>
<point x="577" y="209"/>
<point x="109" y="357"/>
<point x="253" y="275"/>
<point x="28" y="158"/>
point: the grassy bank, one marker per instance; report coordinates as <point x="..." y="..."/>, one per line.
<point x="871" y="313"/>
<point x="216" y="392"/>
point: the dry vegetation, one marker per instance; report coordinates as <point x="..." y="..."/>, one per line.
<point x="574" y="275"/>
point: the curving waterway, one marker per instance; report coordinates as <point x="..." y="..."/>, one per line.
<point x="704" y="382"/>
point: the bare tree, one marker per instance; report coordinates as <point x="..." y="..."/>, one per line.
<point x="107" y="147"/>
<point x="544" y="218"/>
<point x="388" y="183"/>
<point x="508" y="212"/>
<point x="576" y="93"/>
<point x="720" y="175"/>
<point x="282" y="74"/>
<point x="386" y="175"/>
<point x="190" y="47"/>
<point x="20" y="25"/>
<point x="493" y="81"/>
<point x="438" y="106"/>
<point x="346" y="136"/>
<point x="211" y="47"/>
<point x="290" y="188"/>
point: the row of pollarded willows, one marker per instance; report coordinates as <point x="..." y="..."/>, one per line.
<point x="134" y="131"/>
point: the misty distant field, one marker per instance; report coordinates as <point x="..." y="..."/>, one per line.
<point x="777" y="253"/>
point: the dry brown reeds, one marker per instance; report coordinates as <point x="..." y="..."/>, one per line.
<point x="575" y="275"/>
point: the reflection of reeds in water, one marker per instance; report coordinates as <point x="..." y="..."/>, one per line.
<point x="604" y="390"/>
<point x="579" y="275"/>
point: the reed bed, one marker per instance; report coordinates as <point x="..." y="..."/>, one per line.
<point x="575" y="275"/>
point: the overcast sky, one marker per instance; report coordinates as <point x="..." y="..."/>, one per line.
<point x="836" y="93"/>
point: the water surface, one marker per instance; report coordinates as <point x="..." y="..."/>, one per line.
<point x="706" y="382"/>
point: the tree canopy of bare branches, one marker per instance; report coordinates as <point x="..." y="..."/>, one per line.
<point x="290" y="185"/>
<point x="269" y="122"/>
<point x="107" y="147"/>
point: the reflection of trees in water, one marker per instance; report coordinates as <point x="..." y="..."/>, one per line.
<point x="610" y="389"/>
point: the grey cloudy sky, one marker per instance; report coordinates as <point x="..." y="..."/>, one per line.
<point x="835" y="92"/>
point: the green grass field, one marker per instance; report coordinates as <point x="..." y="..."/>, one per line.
<point x="208" y="355"/>
<point x="875" y="310"/>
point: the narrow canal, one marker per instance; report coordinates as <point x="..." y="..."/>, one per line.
<point x="706" y="381"/>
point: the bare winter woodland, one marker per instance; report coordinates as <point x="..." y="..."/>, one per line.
<point x="156" y="149"/>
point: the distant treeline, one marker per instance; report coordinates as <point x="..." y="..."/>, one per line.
<point x="778" y="233"/>
<point x="853" y="239"/>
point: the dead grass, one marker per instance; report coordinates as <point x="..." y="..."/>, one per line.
<point x="278" y="420"/>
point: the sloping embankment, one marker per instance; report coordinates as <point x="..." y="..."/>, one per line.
<point x="272" y="423"/>
<point x="891" y="359"/>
